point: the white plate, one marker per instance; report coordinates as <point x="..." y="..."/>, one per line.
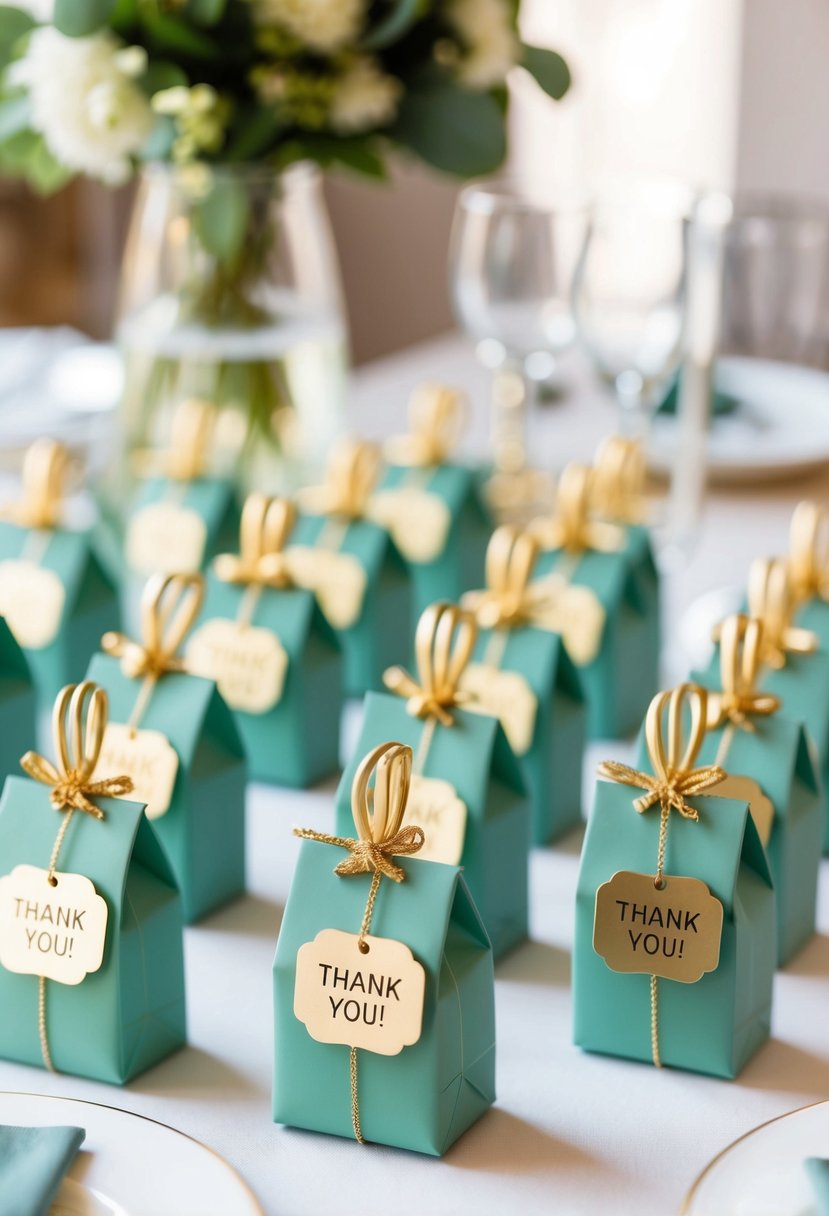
<point x="132" y="1166"/>
<point x="763" y="1174"/>
<point x="779" y="428"/>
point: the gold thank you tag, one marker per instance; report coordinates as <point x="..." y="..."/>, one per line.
<point x="673" y="932"/>
<point x="504" y="695"/>
<point x="166" y="538"/>
<point x="434" y="805"/>
<point x="746" y="789"/>
<point x="55" y="931"/>
<point x="417" y="521"/>
<point x="372" y="1000"/>
<point x="249" y="664"/>
<point x="147" y="757"/>
<point x="32" y="599"/>
<point x="337" y="579"/>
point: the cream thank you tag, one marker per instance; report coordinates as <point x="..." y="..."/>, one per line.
<point x="32" y="600"/>
<point x="337" y="579"/>
<point x="673" y="931"/>
<point x="372" y="1000"/>
<point x="434" y="805"/>
<point x="505" y="695"/>
<point x="417" y="521"/>
<point x="57" y="932"/>
<point x="249" y="664"/>
<point x="165" y="538"/>
<point x="147" y="757"/>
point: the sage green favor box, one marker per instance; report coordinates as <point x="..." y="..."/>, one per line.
<point x="758" y="745"/>
<point x="17" y="703"/>
<point x="277" y="662"/>
<point x="521" y="673"/>
<point x="54" y="593"/>
<point x="353" y="567"/>
<point x="429" y="1093"/>
<point x="130" y="1013"/>
<point x="468" y="791"/>
<point x="433" y="507"/>
<point x="713" y="1025"/>
<point x="174" y="735"/>
<point x="606" y="580"/>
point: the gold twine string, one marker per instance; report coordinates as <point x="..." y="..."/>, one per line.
<point x="350" y="477"/>
<point x="509" y="598"/>
<point x="809" y="553"/>
<point x="572" y="526"/>
<point x="170" y="604"/>
<point x="444" y="641"/>
<point x="437" y="415"/>
<point x="617" y="486"/>
<point x="45" y="468"/>
<point x="771" y="600"/>
<point x="78" y="724"/>
<point x="740" y="700"/>
<point x="262" y="561"/>
<point x="191" y="436"/>
<point x="378" y="812"/>
<point x="672" y="782"/>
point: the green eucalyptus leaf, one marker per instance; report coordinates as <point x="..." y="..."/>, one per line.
<point x="205" y="12"/>
<point x="79" y="18"/>
<point x="253" y="133"/>
<point x="548" y="69"/>
<point x="161" y="74"/>
<point x="15" y="113"/>
<point x="169" y="35"/>
<point x="393" y="25"/>
<point x="44" y="172"/>
<point x="220" y="220"/>
<point x="14" y="25"/>
<point x="453" y="129"/>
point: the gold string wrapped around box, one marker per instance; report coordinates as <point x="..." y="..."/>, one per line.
<point x="444" y="641"/>
<point x="378" y="812"/>
<point x="437" y="415"/>
<point x="771" y="600"/>
<point x="617" y="485"/>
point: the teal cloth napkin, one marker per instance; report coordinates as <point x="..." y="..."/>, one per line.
<point x="818" y="1170"/>
<point x="723" y="403"/>
<point x="33" y="1161"/>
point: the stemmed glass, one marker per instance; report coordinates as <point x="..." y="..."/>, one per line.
<point x="511" y="264"/>
<point x="629" y="292"/>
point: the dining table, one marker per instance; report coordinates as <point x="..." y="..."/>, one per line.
<point x="570" y="1134"/>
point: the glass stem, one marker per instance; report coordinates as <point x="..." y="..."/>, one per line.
<point x="633" y="413"/>
<point x="510" y="393"/>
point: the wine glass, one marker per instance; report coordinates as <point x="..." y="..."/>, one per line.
<point x="629" y="292"/>
<point x="511" y="264"/>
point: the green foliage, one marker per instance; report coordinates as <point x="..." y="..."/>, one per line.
<point x="169" y="35"/>
<point x="452" y="129"/>
<point x="79" y="18"/>
<point x="356" y="153"/>
<point x="205" y="12"/>
<point x="394" y="24"/>
<point x="14" y="116"/>
<point x="161" y="74"/>
<point x="14" y="26"/>
<point x="254" y="132"/>
<point x="548" y="69"/>
<point x="220" y="220"/>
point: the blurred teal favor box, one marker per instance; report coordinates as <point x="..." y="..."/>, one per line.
<point x="469" y="796"/>
<point x="175" y="526"/>
<point x="716" y="1024"/>
<point x="278" y="666"/>
<point x="129" y="1014"/>
<point x="57" y="601"/>
<point x="609" y="605"/>
<point x="17" y="703"/>
<point x="427" y="1095"/>
<point x="172" y="733"/>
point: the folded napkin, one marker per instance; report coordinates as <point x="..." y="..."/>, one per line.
<point x="818" y="1170"/>
<point x="33" y="1161"/>
<point x="723" y="403"/>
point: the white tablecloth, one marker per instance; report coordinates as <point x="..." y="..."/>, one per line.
<point x="571" y="1133"/>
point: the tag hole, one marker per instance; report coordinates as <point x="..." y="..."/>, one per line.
<point x="363" y="947"/>
<point x="660" y="884"/>
<point x="53" y="882"/>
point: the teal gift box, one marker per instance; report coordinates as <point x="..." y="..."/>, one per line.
<point x="521" y="673"/>
<point x="608" y="587"/>
<point x="434" y="1088"/>
<point x="135" y="1000"/>
<point x="17" y="702"/>
<point x="175" y="526"/>
<point x="758" y="745"/>
<point x="172" y="733"/>
<point x="276" y="661"/>
<point x="353" y="567"/>
<point x="468" y="792"/>
<point x="716" y="1023"/>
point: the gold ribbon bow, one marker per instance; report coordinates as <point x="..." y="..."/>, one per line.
<point x="78" y="746"/>
<point x="808" y="558"/>
<point x="436" y="418"/>
<point x="191" y="435"/>
<point x="771" y="601"/>
<point x="741" y="643"/>
<point x="45" y="467"/>
<point x="350" y="477"/>
<point x="674" y="778"/>
<point x="170" y="604"/>
<point x="571" y="526"/>
<point x="617" y="487"/>
<point x="509" y="598"/>
<point x="444" y="641"/>
<point x="265" y="527"/>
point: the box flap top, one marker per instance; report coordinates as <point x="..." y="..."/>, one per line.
<point x="450" y="482"/>
<point x="220" y="724"/>
<point x="711" y="849"/>
<point x="505" y="764"/>
<point x="361" y="538"/>
<point x="12" y="659"/>
<point x="806" y="763"/>
<point x="149" y="854"/>
<point x="753" y="853"/>
<point x="533" y="653"/>
<point x="606" y="574"/>
<point x="767" y="754"/>
<point x="101" y="850"/>
<point x="465" y="914"/>
<point x="568" y="677"/>
<point x="178" y="706"/>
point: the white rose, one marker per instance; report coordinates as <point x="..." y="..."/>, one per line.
<point x="364" y="98"/>
<point x="323" y="25"/>
<point x="85" y="101"/>
<point x="491" y="46"/>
